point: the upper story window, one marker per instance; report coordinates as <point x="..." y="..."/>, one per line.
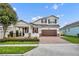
<point x="55" y="20"/>
<point x="35" y="30"/>
<point x="52" y="21"/>
<point x="43" y="20"/>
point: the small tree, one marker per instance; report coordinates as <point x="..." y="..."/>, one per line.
<point x="7" y="16"/>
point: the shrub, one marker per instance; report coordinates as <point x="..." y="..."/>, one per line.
<point x="23" y="39"/>
<point x="32" y="39"/>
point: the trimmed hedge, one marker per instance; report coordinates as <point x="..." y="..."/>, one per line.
<point x="23" y="39"/>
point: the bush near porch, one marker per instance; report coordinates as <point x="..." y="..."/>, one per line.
<point x="20" y="39"/>
<point x="33" y="40"/>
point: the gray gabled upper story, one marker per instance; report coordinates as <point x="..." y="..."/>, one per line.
<point x="49" y="20"/>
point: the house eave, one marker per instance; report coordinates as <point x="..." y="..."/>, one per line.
<point x="45" y="25"/>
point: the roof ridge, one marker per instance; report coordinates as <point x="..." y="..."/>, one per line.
<point x="24" y="21"/>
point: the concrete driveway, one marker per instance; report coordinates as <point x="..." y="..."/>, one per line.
<point x="55" y="48"/>
<point x="51" y="40"/>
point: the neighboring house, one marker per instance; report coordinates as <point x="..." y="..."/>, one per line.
<point x="71" y="29"/>
<point x="46" y="26"/>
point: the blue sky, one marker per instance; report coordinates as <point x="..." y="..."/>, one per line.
<point x="29" y="12"/>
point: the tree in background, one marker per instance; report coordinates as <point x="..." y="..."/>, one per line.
<point x="7" y="16"/>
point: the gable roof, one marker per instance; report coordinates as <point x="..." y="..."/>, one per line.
<point x="46" y="17"/>
<point x="71" y="25"/>
<point x="23" y="21"/>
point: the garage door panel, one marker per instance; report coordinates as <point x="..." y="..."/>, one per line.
<point x="49" y="32"/>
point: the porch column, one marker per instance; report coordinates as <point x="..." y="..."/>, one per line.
<point x="14" y="31"/>
<point x="21" y="31"/>
<point x="30" y="30"/>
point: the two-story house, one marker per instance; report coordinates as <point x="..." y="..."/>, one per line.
<point x="46" y="26"/>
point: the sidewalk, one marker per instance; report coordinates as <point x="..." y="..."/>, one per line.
<point x="19" y="44"/>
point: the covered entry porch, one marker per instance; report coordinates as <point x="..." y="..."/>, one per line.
<point x="19" y="32"/>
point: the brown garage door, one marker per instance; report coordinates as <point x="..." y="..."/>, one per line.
<point x="49" y="32"/>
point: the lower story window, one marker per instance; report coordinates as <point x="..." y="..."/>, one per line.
<point x="35" y="30"/>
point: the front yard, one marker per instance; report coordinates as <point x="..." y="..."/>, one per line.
<point x="15" y="49"/>
<point x="19" y="42"/>
<point x="72" y="39"/>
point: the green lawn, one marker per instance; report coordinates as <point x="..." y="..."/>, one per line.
<point x="15" y="49"/>
<point x="72" y="39"/>
<point x="19" y="42"/>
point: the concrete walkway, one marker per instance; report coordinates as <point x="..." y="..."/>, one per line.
<point x="54" y="50"/>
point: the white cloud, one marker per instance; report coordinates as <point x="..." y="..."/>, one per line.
<point x="36" y="18"/>
<point x="14" y="8"/>
<point x="55" y="7"/>
<point x="46" y="7"/>
<point x="61" y="15"/>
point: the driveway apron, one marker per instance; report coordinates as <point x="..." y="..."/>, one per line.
<point x="54" y="46"/>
